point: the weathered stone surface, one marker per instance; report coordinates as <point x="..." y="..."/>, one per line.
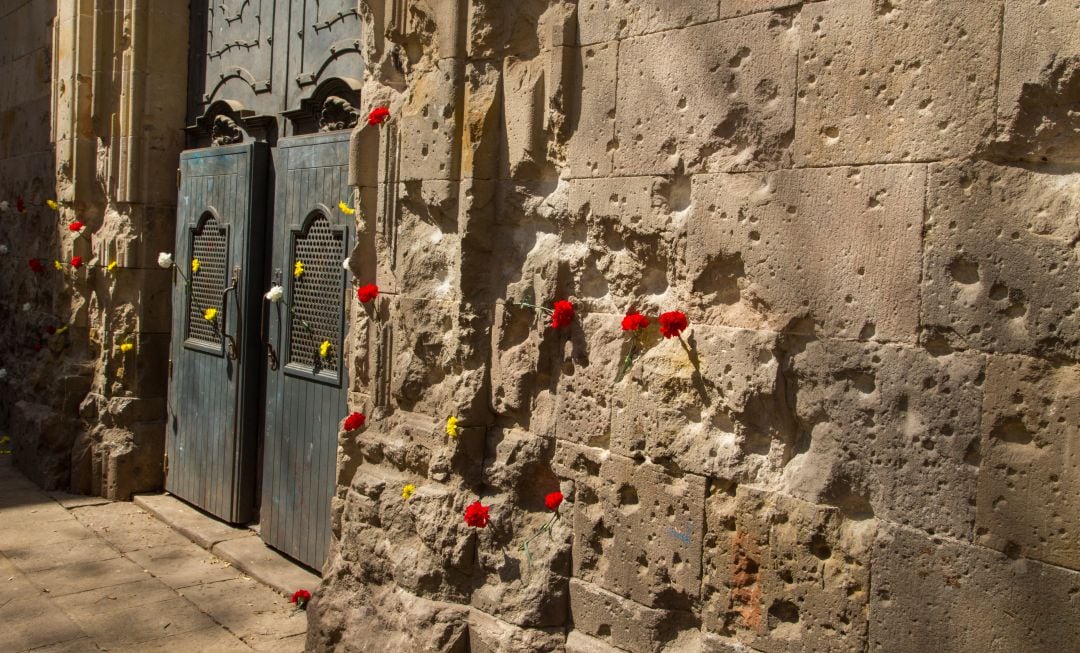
<point x="785" y="575"/>
<point x="930" y="594"/>
<point x="718" y="99"/>
<point x="490" y="635"/>
<point x="637" y="528"/>
<point x="1001" y="272"/>
<point x="583" y="400"/>
<point x="889" y="432"/>
<point x="621" y="622"/>
<point x="831" y="250"/>
<point x="714" y="405"/>
<point x="895" y="80"/>
<point x="1029" y="475"/>
<point x="592" y="118"/>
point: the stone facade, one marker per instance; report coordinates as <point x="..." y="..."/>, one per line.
<point x="867" y="208"/>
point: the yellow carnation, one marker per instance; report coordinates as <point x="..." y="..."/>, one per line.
<point x="126" y="347"/>
<point x="324" y="348"/>
<point x="58" y="265"/>
<point x="210" y="314"/>
<point x="408" y="491"/>
<point x="452" y="428"/>
<point x="195" y="265"/>
<point x="112" y="266"/>
<point x="52" y="204"/>
<point x="346" y="209"/>
<point x="298" y="269"/>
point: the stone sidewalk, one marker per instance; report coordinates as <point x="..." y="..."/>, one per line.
<point x="84" y="574"/>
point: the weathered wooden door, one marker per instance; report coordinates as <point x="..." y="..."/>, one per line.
<point x="306" y="383"/>
<point x="213" y="410"/>
<point x="279" y="80"/>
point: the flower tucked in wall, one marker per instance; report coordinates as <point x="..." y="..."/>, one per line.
<point x="346" y="209"/>
<point x="275" y="294"/>
<point x="125" y="347"/>
<point x="300" y="598"/>
<point x="3" y="249"/>
<point x="355" y="421"/>
<point x="476" y="515"/>
<point x="37" y="266"/>
<point x="111" y="267"/>
<point x="58" y="264"/>
<point x="20" y="205"/>
<point x="195" y="265"/>
<point x="408" y="491"/>
<point x="210" y="314"/>
<point x="553" y="500"/>
<point x="62" y="330"/>
<point x="562" y="315"/>
<point x="673" y="323"/>
<point x="76" y="262"/>
<point x="634" y="321"/>
<point x="378" y="116"/>
<point x="298" y="269"/>
<point x="76" y="227"/>
<point x="452" y="428"/>
<point x="324" y="348"/>
<point x="367" y="293"/>
<point x="26" y="307"/>
<point x="51" y="330"/>
<point x="4" y="206"/>
<point x="3" y="373"/>
<point x="165" y="260"/>
<point x="53" y="205"/>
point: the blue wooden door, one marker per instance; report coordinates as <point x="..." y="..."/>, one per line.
<point x="214" y="363"/>
<point x="306" y="384"/>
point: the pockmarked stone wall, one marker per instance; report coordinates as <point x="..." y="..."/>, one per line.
<point x="90" y="133"/>
<point x="865" y="439"/>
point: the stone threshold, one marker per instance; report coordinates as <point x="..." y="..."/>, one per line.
<point x="241" y="547"/>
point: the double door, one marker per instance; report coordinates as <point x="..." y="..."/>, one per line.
<point x="257" y="387"/>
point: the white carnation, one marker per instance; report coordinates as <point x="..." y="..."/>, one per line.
<point x="275" y="294"/>
<point x="3" y="373"/>
<point x="165" y="260"/>
<point x="345" y="264"/>
<point x="3" y="249"/>
<point x="4" y="206"/>
<point x="26" y="307"/>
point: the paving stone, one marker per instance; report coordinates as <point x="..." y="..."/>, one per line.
<point x="183" y="566"/>
<point x="42" y="557"/>
<point x="266" y="565"/>
<point x="114" y="627"/>
<point x="196" y="526"/>
<point x="128" y="527"/>
<point x="82" y="576"/>
<point x="143" y="592"/>
<point x="250" y="610"/>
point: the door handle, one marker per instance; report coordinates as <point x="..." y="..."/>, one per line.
<point x="234" y="348"/>
<point x="266" y="339"/>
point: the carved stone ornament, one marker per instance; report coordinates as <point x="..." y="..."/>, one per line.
<point x="337" y="114"/>
<point x="225" y="131"/>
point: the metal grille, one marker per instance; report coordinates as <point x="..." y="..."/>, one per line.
<point x="316" y="296"/>
<point x="209" y="244"/>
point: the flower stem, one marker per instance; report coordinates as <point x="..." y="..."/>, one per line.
<point x="629" y="360"/>
<point x="539" y="308"/>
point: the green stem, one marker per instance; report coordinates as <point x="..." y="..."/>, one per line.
<point x="539" y="308"/>
<point x="629" y="360"/>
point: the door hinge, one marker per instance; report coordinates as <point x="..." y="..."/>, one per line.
<point x="165" y="465"/>
<point x="170" y="368"/>
<point x="178" y="179"/>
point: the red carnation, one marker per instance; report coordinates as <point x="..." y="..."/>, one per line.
<point x="673" y="323"/>
<point x="367" y="293"/>
<point x="51" y="330"/>
<point x="378" y="116"/>
<point x="563" y="314"/>
<point x="354" y="421"/>
<point x="36" y="265"/>
<point x="476" y="514"/>
<point x="553" y="500"/>
<point x="76" y="226"/>
<point x="76" y="262"/>
<point x="300" y="598"/>
<point x="634" y="321"/>
<point x="20" y="205"/>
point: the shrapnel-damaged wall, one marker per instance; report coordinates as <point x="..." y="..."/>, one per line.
<point x="869" y="211"/>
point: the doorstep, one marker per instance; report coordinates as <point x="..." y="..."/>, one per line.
<point x="240" y="547"/>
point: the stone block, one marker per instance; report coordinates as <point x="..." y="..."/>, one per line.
<point x="833" y="251"/>
<point x="638" y="530"/>
<point x="418" y="446"/>
<point x="898" y="80"/>
<point x="931" y="594"/>
<point x="1029" y="476"/>
<point x="490" y="635"/>
<point x="889" y="431"/>
<point x="785" y="575"/>
<point x="583" y="400"/>
<point x="591" y="122"/>
<point x="427" y="124"/>
<point x="709" y="98"/>
<point x="620" y="622"/>
<point x="714" y="406"/>
<point x="604" y="20"/>
<point x="1001" y="272"/>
